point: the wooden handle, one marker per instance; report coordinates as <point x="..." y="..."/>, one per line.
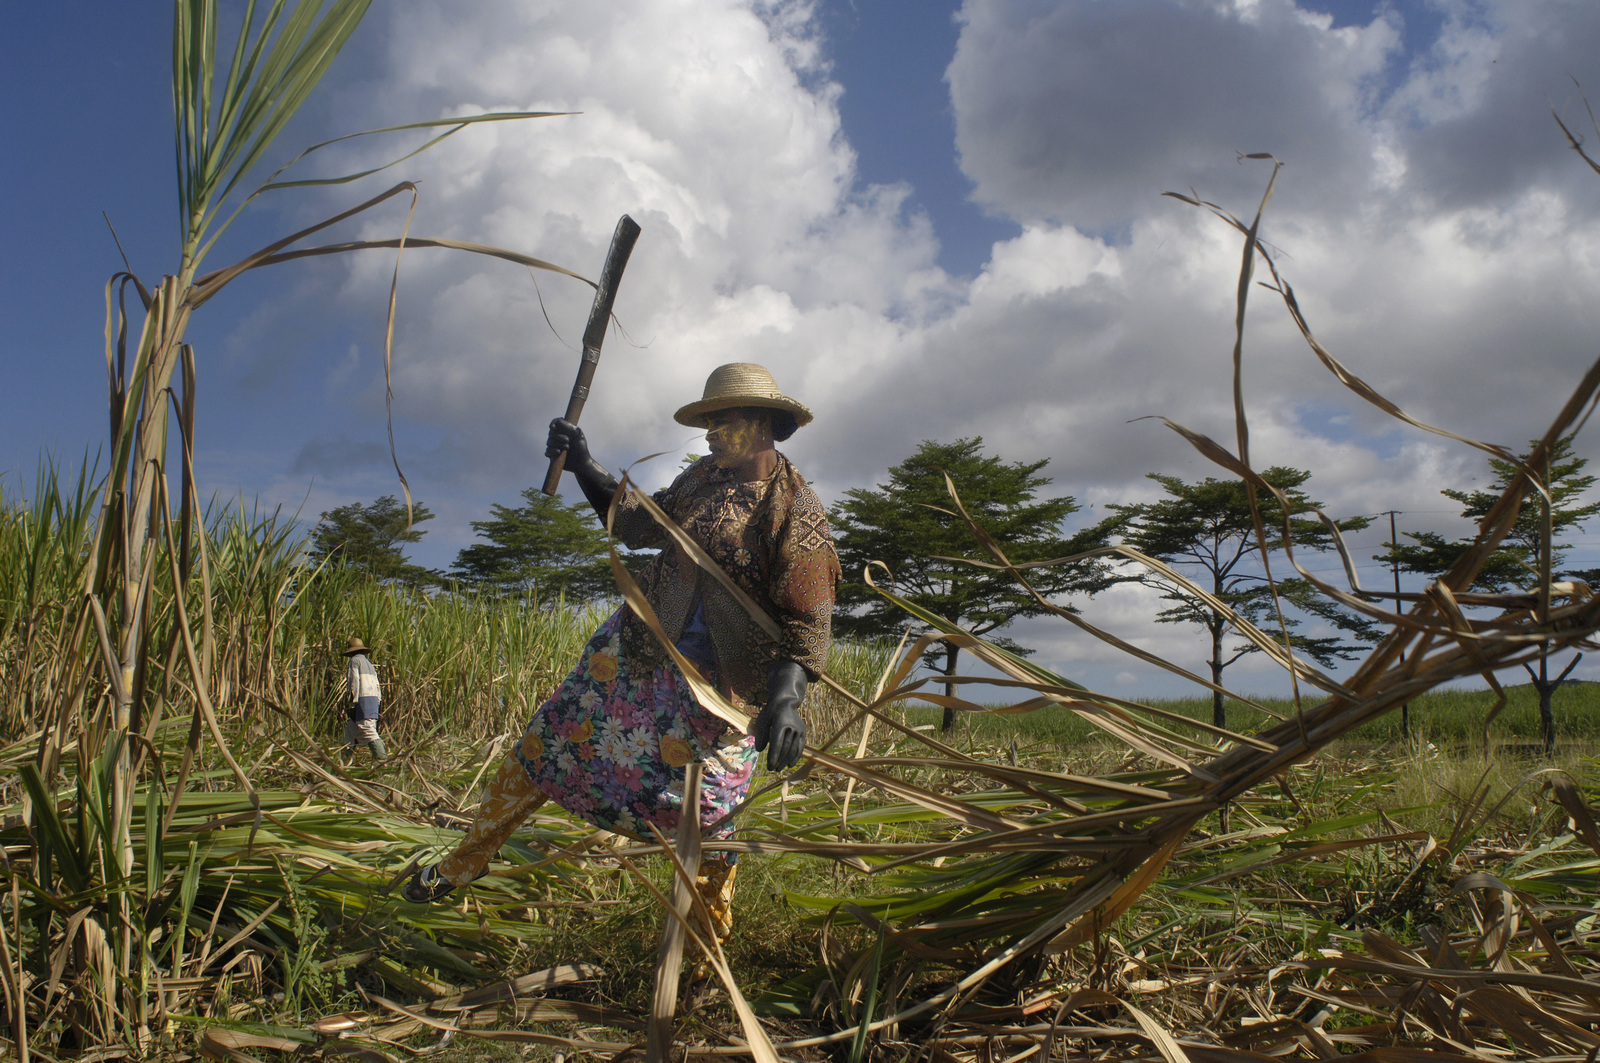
<point x="552" y="478"/>
<point x="605" y="293"/>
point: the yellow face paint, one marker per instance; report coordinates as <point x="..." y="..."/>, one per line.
<point x="734" y="436"/>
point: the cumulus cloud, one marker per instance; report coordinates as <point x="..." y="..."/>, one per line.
<point x="1407" y="257"/>
<point x="1086" y="112"/>
<point x="1437" y="231"/>
<point x="697" y="121"/>
<point x="1473" y="111"/>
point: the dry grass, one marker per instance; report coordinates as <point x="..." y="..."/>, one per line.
<point x="1237" y="947"/>
<point x="184" y="862"/>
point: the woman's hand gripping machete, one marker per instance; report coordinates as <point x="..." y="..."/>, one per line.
<point x="780" y="726"/>
<point x="598" y="485"/>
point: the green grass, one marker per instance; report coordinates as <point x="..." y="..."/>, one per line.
<point x="1217" y="906"/>
<point x="463" y="668"/>
<point x="787" y="954"/>
<point x="1443" y="717"/>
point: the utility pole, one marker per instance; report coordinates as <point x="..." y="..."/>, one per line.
<point x="1394" y="568"/>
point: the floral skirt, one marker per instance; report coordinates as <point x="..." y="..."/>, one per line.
<point x="611" y="746"/>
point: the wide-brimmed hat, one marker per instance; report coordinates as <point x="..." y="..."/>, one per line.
<point x="356" y="646"/>
<point x="740" y="384"/>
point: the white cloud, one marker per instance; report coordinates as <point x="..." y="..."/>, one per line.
<point x="1086" y="112"/>
<point x="1474" y="110"/>
<point x="1458" y="281"/>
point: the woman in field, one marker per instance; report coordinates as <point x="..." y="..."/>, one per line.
<point x="612" y="743"/>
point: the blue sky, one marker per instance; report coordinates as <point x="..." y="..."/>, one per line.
<point x="891" y="57"/>
<point x="91" y="126"/>
<point x="931" y="219"/>
<point x="99" y="133"/>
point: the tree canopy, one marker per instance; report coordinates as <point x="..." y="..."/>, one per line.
<point x="544" y="546"/>
<point x="909" y="523"/>
<point x="1515" y="565"/>
<point x="372" y="538"/>
<point x="1205" y="531"/>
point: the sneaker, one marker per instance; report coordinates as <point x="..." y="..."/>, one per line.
<point x="426" y="886"/>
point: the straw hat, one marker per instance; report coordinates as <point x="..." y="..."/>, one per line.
<point x="356" y="646"/>
<point x="740" y="384"/>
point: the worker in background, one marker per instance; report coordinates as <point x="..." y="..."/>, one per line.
<point x="366" y="698"/>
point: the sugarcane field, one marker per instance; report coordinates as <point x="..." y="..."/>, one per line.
<point x="818" y="530"/>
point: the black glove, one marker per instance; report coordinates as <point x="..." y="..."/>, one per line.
<point x="779" y="724"/>
<point x="598" y="485"/>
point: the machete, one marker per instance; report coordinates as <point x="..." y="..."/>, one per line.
<point x="605" y="293"/>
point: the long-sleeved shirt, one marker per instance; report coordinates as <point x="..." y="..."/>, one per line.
<point x="772" y="537"/>
<point x="365" y="691"/>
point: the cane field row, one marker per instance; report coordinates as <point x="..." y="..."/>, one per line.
<point x="280" y="920"/>
<point x="469" y="666"/>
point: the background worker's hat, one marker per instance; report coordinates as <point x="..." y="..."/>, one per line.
<point x="740" y="384"/>
<point x="356" y="646"/>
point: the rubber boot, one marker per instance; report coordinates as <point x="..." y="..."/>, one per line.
<point x="378" y="752"/>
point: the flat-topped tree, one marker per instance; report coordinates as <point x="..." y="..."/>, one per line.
<point x="544" y="547"/>
<point x="908" y="524"/>
<point x="1516" y="565"/>
<point x="1205" y="532"/>
<point x="372" y="539"/>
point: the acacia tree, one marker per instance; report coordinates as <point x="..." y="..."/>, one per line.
<point x="907" y="524"/>
<point x="1515" y="565"/>
<point x="372" y="538"/>
<point x="544" y="546"/>
<point x="1206" y="532"/>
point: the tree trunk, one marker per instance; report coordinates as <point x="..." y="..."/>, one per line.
<point x="950" y="653"/>
<point x="1547" y="719"/>
<point x="1547" y="688"/>
<point x="1219" y="712"/>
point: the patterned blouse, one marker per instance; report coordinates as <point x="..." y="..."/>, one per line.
<point x="772" y="537"/>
